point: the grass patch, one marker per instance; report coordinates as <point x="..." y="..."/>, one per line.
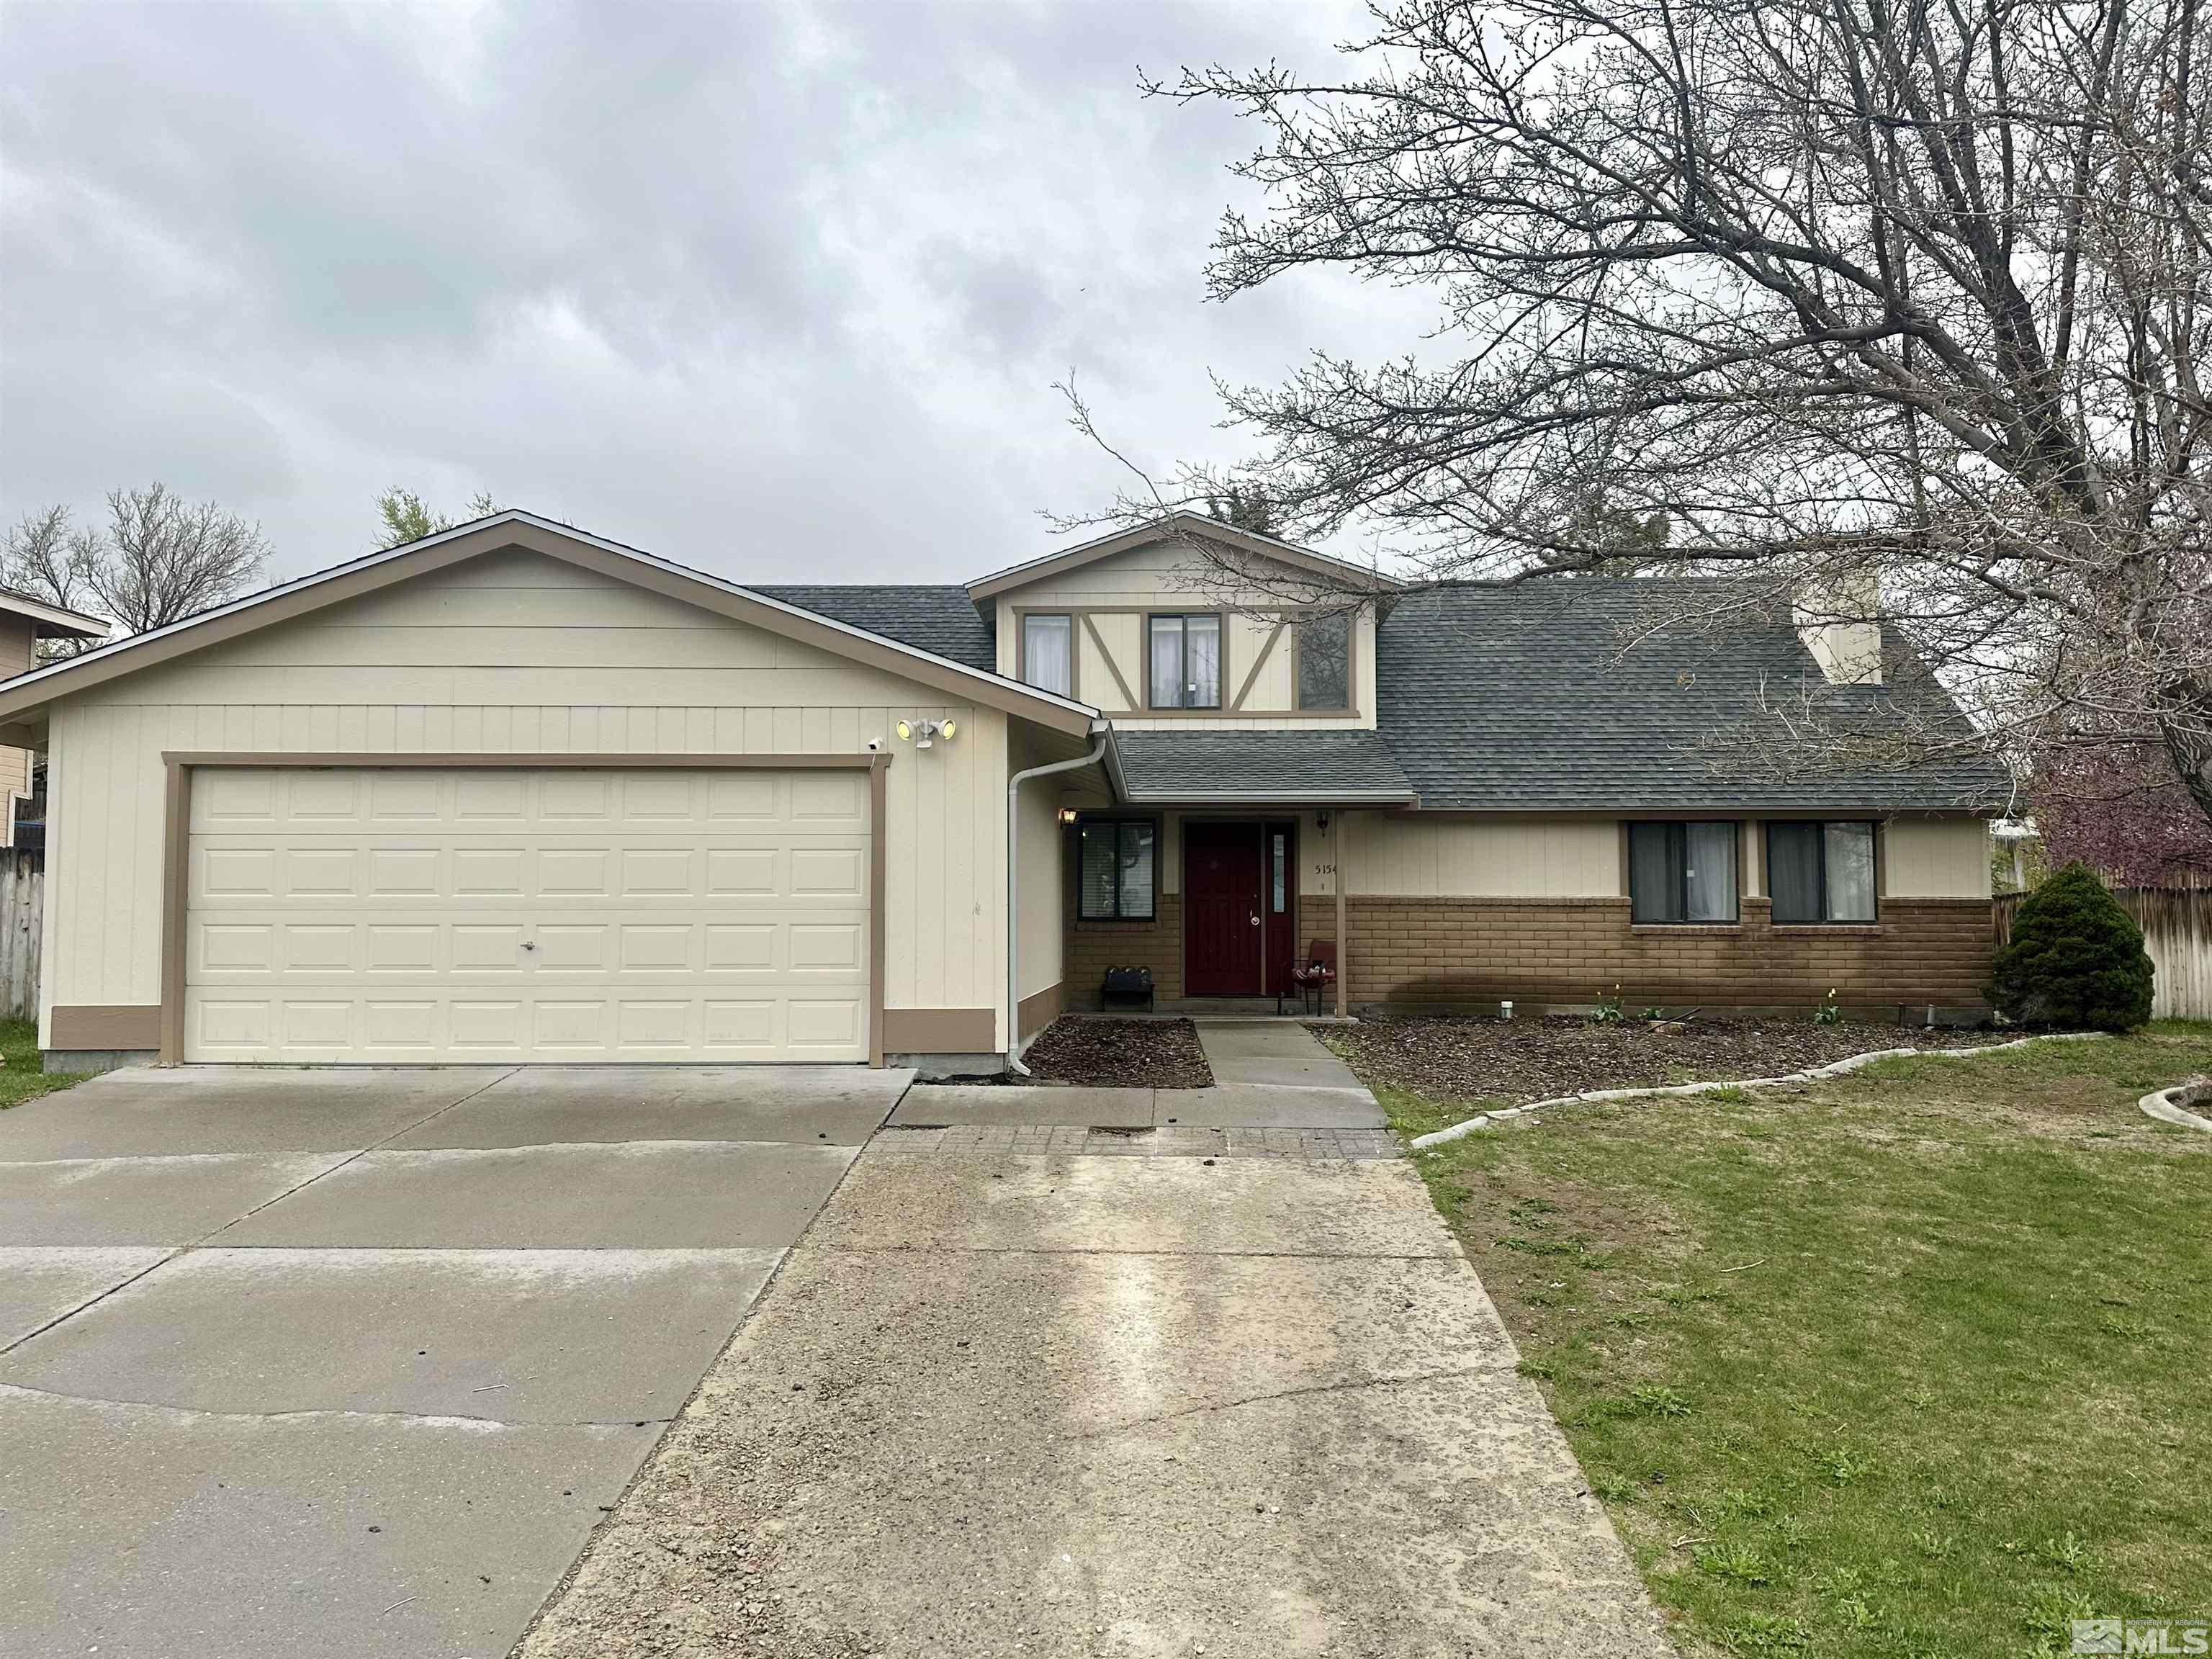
<point x="20" y="1078"/>
<point x="1910" y="1363"/>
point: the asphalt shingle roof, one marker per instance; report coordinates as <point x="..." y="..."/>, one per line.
<point x="1294" y="765"/>
<point x="1531" y="697"/>
<point x="939" y="619"/>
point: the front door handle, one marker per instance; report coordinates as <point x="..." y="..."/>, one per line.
<point x="1255" y="920"/>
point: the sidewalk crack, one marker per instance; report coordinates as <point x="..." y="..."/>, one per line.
<point x="1313" y="1389"/>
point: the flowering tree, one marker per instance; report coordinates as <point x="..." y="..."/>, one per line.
<point x="2123" y="812"/>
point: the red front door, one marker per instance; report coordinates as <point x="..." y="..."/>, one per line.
<point x="1223" y="942"/>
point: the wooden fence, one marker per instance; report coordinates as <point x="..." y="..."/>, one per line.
<point x="22" y="908"/>
<point x="2177" y="929"/>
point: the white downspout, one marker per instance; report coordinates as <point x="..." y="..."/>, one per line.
<point x="1013" y="889"/>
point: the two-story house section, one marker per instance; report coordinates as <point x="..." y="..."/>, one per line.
<point x="518" y="793"/>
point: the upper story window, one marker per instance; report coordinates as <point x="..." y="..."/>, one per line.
<point x="1821" y="871"/>
<point x="1184" y="654"/>
<point x="1681" y="872"/>
<point x="1324" y="644"/>
<point x="1049" y="653"/>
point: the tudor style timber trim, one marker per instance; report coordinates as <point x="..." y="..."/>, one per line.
<point x="176" y="861"/>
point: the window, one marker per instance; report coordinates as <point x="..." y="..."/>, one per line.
<point x="1681" y="872"/>
<point x="1324" y="661"/>
<point x="1185" y="654"/>
<point x="1821" y="871"/>
<point x="1048" y="653"/>
<point x="1115" y="869"/>
<point x="1278" y="847"/>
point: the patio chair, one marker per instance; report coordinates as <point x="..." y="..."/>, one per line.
<point x="1318" y="974"/>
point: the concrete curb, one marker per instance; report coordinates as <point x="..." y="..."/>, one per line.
<point x="1836" y="1068"/>
<point x="2166" y="1105"/>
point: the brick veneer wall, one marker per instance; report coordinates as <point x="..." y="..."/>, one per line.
<point x="1440" y="952"/>
<point x="1088" y="949"/>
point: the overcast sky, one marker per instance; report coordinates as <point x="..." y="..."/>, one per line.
<point x="776" y="290"/>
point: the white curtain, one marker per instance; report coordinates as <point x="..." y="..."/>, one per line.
<point x="1850" y="857"/>
<point x="1202" y="672"/>
<point x="1186" y="662"/>
<point x="1045" y="654"/>
<point x="1709" y="877"/>
<point x="1167" y="662"/>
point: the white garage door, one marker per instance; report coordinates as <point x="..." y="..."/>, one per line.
<point x="562" y="915"/>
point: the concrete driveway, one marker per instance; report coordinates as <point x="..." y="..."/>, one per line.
<point x="299" y="1363"/>
<point x="1153" y="1389"/>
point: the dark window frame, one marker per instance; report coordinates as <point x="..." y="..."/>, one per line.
<point x="1349" y="619"/>
<point x="1821" y="906"/>
<point x="1121" y="820"/>
<point x="1220" y="619"/>
<point x="1680" y="846"/>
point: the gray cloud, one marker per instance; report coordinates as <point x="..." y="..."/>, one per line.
<point x="778" y="291"/>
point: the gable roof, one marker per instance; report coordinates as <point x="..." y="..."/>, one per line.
<point x="1174" y="526"/>
<point x="49" y="622"/>
<point x="1521" y="698"/>
<point x="31" y="692"/>
<point x="941" y="619"/>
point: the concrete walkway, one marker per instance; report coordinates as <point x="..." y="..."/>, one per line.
<point x="1012" y="1396"/>
<point x="1267" y="1074"/>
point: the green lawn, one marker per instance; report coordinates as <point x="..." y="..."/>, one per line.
<point x="1912" y="1365"/>
<point x="21" y="1080"/>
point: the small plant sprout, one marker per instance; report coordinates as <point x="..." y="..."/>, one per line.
<point x="1829" y="1012"/>
<point x="1608" y="1011"/>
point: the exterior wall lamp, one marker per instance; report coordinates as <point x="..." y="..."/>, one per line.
<point x="923" y="734"/>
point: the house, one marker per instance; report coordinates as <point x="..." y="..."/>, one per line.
<point x="516" y="793"/>
<point x="24" y="622"/>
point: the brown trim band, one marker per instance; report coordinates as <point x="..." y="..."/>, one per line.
<point x="967" y="684"/>
<point x="176" y="863"/>
<point x="117" y="1028"/>
<point x="940" y="1031"/>
<point x="508" y="762"/>
<point x="1039" y="1009"/>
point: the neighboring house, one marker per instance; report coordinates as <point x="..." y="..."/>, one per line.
<point x="514" y="793"/>
<point x="24" y="622"/>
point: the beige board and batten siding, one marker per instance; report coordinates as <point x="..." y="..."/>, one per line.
<point x="1417" y="856"/>
<point x="1946" y="856"/>
<point x="1110" y="600"/>
<point x="1420" y="854"/>
<point x="517" y="652"/>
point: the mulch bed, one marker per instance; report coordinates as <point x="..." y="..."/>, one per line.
<point x="1141" y="1054"/>
<point x="1524" y="1060"/>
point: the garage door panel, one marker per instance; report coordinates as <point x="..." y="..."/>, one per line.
<point x="417" y="915"/>
<point x="234" y="872"/>
<point x="827" y="872"/>
<point x="310" y="947"/>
